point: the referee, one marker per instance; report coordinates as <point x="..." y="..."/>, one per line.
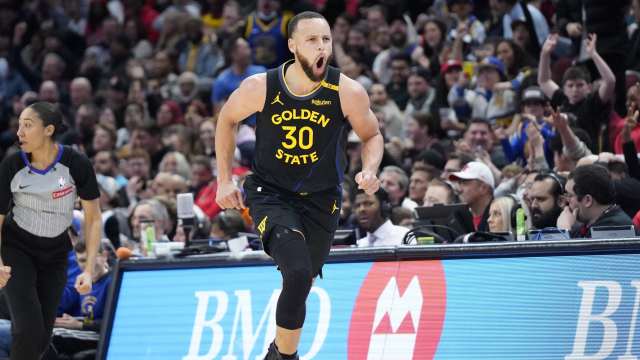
<point x="38" y="190"/>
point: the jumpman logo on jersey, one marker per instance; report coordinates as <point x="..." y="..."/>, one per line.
<point x="277" y="100"/>
<point x="263" y="225"/>
<point x="335" y="207"/>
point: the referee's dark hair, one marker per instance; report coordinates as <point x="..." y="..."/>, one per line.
<point x="593" y="180"/>
<point x="50" y="115"/>
<point x="293" y="23"/>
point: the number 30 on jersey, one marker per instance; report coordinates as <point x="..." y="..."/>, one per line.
<point x="297" y="138"/>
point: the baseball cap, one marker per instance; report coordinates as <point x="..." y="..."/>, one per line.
<point x="450" y="64"/>
<point x="533" y="93"/>
<point x="474" y="170"/>
<point x="492" y="62"/>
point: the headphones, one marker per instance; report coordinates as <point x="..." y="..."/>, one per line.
<point x="513" y="215"/>
<point x="558" y="180"/>
<point x="555" y="178"/>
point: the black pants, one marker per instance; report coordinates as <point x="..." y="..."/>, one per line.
<point x="38" y="276"/>
<point x="314" y="215"/>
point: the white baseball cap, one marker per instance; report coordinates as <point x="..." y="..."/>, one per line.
<point x="475" y="170"/>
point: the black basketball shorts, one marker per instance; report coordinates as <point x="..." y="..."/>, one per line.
<point x="314" y="215"/>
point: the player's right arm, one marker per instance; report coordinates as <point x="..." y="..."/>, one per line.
<point x="246" y="100"/>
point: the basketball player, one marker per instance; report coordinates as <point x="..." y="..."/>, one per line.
<point x="305" y="109"/>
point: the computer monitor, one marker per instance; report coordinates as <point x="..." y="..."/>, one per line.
<point x="448" y="221"/>
<point x="344" y="237"/>
<point x="613" y="232"/>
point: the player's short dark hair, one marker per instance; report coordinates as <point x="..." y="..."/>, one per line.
<point x="50" y="114"/>
<point x="593" y="180"/>
<point x="293" y="23"/>
<point x="576" y="73"/>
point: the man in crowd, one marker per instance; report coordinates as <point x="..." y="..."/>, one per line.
<point x="591" y="202"/>
<point x="395" y="182"/>
<point x="476" y="184"/>
<point x="546" y="196"/>
<point x="372" y="214"/>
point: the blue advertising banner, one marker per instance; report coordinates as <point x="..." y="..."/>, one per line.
<point x="545" y="307"/>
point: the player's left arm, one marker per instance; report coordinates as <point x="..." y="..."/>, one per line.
<point x="356" y="108"/>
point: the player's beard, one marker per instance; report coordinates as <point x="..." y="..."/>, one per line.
<point x="308" y="67"/>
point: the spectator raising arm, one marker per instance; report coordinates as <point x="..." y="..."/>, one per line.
<point x="572" y="147"/>
<point x="545" y="82"/>
<point x="606" y="90"/>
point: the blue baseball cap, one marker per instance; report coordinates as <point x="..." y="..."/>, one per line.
<point x="492" y="62"/>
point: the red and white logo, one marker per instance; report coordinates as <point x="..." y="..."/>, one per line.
<point x="399" y="312"/>
<point x="62" y="192"/>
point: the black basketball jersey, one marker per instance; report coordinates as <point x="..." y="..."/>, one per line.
<point x="301" y="140"/>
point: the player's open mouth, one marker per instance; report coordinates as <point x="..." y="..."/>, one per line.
<point x="320" y="62"/>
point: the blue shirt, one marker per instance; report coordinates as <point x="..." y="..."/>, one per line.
<point x="228" y="81"/>
<point x="90" y="306"/>
<point x="268" y="41"/>
<point x="70" y="292"/>
<point x="514" y="147"/>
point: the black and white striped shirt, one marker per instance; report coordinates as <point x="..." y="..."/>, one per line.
<point x="42" y="200"/>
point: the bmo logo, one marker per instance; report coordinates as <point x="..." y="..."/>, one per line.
<point x="399" y="312"/>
